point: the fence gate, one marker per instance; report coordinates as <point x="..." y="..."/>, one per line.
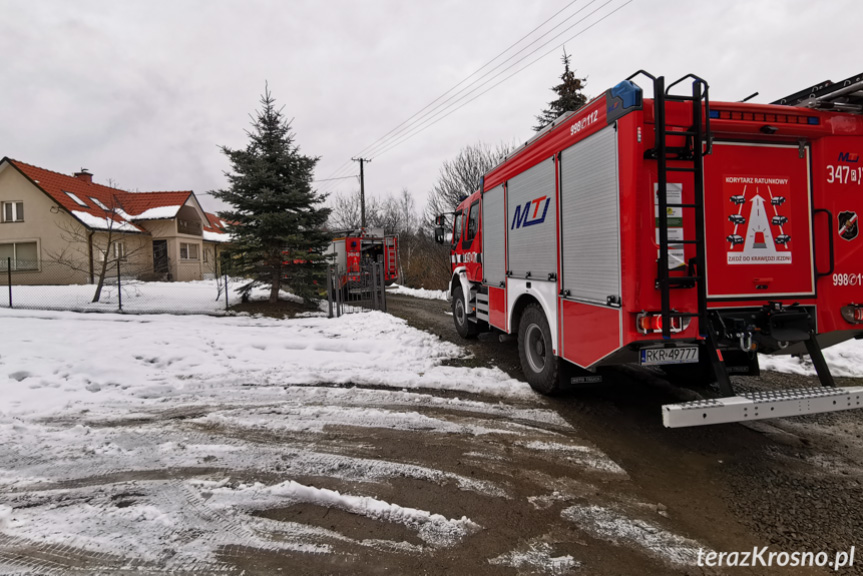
<point x="357" y="290"/>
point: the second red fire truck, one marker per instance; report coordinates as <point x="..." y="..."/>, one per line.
<point x="674" y="231"/>
<point x="351" y="250"/>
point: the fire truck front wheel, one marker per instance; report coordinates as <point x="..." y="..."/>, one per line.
<point x="540" y="366"/>
<point x="463" y="325"/>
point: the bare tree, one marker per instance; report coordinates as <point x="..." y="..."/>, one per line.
<point x="395" y="214"/>
<point x="345" y="214"/>
<point x="461" y="176"/>
<point x="84" y="248"/>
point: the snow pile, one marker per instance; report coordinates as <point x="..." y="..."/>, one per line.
<point x="433" y="529"/>
<point x="612" y="525"/>
<point x="537" y="558"/>
<point x="844" y="359"/>
<point x="418" y="292"/>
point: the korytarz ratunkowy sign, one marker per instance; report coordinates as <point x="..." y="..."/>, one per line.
<point x="757" y="226"/>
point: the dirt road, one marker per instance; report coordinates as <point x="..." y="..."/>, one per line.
<point x="791" y="484"/>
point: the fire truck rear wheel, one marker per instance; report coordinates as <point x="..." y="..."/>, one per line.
<point x="463" y="325"/>
<point x="540" y="366"/>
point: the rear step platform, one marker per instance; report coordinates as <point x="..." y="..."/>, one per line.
<point x="761" y="406"/>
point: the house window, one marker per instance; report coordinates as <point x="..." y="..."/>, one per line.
<point x="116" y="252"/>
<point x="77" y="200"/>
<point x="206" y="255"/>
<point x="188" y="251"/>
<point x="189" y="227"/>
<point x="13" y="211"/>
<point x="22" y="255"/>
<point x="120" y="250"/>
<point x="99" y="203"/>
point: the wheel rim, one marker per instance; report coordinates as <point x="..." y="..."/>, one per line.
<point x="535" y="348"/>
<point x="459" y="312"/>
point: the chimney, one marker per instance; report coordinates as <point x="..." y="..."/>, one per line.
<point x="84" y="175"/>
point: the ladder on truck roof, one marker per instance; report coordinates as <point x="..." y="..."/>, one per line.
<point x="844" y="96"/>
<point x="729" y="408"/>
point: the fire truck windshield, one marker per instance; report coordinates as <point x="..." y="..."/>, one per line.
<point x="472" y="225"/>
<point x="456" y="229"/>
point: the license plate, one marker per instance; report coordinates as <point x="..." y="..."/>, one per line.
<point x="679" y="355"/>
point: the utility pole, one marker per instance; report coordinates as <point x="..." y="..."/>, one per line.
<point x="362" y="189"/>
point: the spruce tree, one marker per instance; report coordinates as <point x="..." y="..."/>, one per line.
<point x="276" y="221"/>
<point x="569" y="96"/>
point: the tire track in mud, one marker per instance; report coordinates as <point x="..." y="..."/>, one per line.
<point x="326" y="453"/>
<point x="153" y="458"/>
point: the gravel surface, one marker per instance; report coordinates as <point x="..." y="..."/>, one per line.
<point x="790" y="484"/>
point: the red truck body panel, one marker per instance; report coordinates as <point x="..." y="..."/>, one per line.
<point x="780" y="213"/>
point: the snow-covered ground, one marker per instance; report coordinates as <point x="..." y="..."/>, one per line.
<point x="93" y="396"/>
<point x="845" y="359"/>
<point x="55" y="362"/>
<point x="423" y="293"/>
<point x="201" y="297"/>
<point x="95" y="407"/>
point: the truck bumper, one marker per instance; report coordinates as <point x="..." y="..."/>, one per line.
<point x="761" y="406"/>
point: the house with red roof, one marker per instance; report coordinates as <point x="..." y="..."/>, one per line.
<point x="59" y="229"/>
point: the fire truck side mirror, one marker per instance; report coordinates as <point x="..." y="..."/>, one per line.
<point x="439" y="220"/>
<point x="439" y="234"/>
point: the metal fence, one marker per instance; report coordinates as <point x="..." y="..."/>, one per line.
<point x="355" y="291"/>
<point x="53" y="285"/>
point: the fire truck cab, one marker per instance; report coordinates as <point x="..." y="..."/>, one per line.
<point x="674" y="231"/>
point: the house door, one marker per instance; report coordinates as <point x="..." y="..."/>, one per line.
<point x="160" y="256"/>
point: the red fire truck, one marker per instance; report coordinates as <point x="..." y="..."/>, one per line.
<point x="677" y="232"/>
<point x="355" y="247"/>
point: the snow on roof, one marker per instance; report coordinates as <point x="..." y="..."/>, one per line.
<point x="216" y="229"/>
<point x="104" y="222"/>
<point x="119" y="205"/>
<point x="158" y="213"/>
<point x="216" y="236"/>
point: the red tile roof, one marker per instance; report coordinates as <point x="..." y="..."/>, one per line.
<point x="126" y="206"/>
<point x="216" y="224"/>
<point x="215" y="229"/>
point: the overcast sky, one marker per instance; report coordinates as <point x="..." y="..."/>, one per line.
<point x="145" y="92"/>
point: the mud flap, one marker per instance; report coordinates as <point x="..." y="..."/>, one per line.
<point x="573" y="377"/>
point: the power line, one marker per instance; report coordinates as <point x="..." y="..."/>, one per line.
<point x="397" y="136"/>
<point x="331" y="179"/>
<point x="363" y="151"/>
<point x="457" y="96"/>
<point x="438" y="117"/>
